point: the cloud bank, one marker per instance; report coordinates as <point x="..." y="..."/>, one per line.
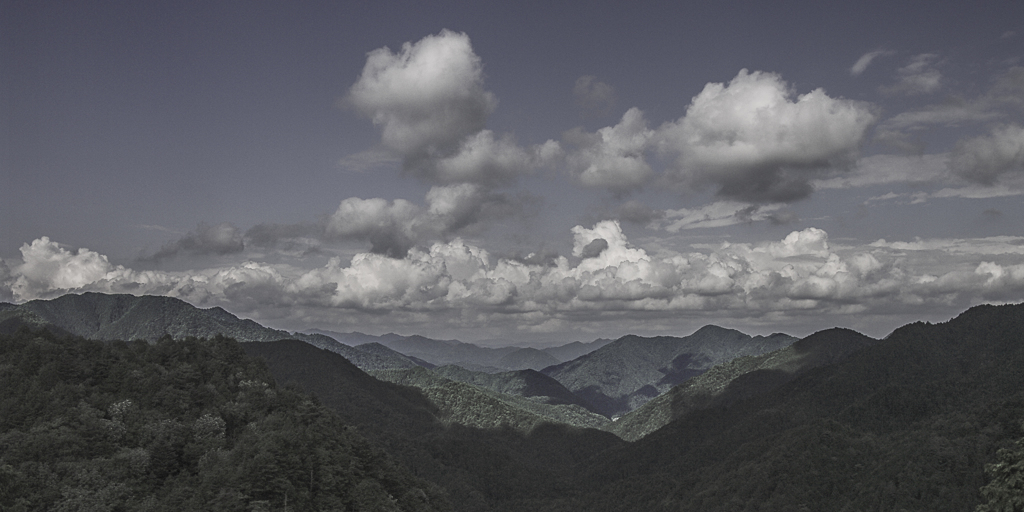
<point x="607" y="278"/>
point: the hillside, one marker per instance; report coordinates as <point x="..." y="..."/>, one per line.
<point x="178" y="425"/>
<point x="478" y="407"/>
<point x="907" y="423"/>
<point x="740" y="379"/>
<point x="101" y="316"/>
<point x="570" y="351"/>
<point x="527" y="359"/>
<point x="480" y="468"/>
<point x="525" y="383"/>
<point x="628" y="372"/>
<point x="469" y="355"/>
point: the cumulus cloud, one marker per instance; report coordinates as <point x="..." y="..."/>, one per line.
<point x="425" y="98"/>
<point x="431" y="106"/>
<point x="219" y="239"/>
<point x="753" y="141"/>
<point x="48" y="266"/>
<point x="482" y="158"/>
<point x="393" y="227"/>
<point x="593" y="97"/>
<point x="609" y="279"/>
<point x="920" y="76"/>
<point x="612" y="158"/>
<point x="387" y="225"/>
<point x="990" y="158"/>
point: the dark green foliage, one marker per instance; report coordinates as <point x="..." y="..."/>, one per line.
<point x="623" y="375"/>
<point x="740" y="379"/>
<point x="1005" y="493"/>
<point x="481" y="468"/>
<point x="177" y="425"/>
<point x="907" y="423"/>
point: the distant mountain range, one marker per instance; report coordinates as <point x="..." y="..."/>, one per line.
<point x="469" y="355"/>
<point x="833" y="421"/>
<point x="628" y="372"/>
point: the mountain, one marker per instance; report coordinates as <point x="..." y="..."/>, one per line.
<point x="740" y="379"/>
<point x="475" y="406"/>
<point x="435" y="352"/>
<point x="520" y="454"/>
<point x="179" y="425"/>
<point x="628" y="372"/>
<point x="129" y="317"/>
<point x="469" y="355"/>
<point x="571" y="351"/>
<point x="525" y="383"/>
<point x="101" y="316"/>
<point x="905" y="423"/>
<point x="527" y="359"/>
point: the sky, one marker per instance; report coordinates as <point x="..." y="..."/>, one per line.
<point x="521" y="173"/>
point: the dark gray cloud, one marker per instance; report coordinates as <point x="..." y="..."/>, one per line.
<point x="638" y="213"/>
<point x="220" y="239"/>
<point x="991" y="158"/>
<point x="594" y="248"/>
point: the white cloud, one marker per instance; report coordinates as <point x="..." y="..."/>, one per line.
<point x="882" y="169"/>
<point x="610" y="279"/>
<point x="918" y="77"/>
<point x="431" y="106"/>
<point x="47" y="266"/>
<point x="613" y="157"/>
<point x="755" y="142"/>
<point x="388" y="225"/>
<point x="1005" y="95"/>
<point x="426" y="98"/>
<point x="483" y="159"/>
<point x="865" y="60"/>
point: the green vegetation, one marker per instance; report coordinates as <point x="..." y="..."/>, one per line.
<point x="928" y="419"/>
<point x="474" y="406"/>
<point x="907" y="423"/>
<point x="1005" y="493"/>
<point x="177" y="425"/>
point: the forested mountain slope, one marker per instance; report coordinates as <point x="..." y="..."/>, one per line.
<point x="482" y="469"/>
<point x="907" y="423"/>
<point x="178" y="425"/>
<point x="628" y="372"/>
<point x="740" y="379"/>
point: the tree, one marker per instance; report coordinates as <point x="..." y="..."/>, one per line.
<point x="1005" y="493"/>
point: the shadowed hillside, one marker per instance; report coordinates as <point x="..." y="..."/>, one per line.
<point x="907" y="423"/>
<point x="628" y="372"/>
<point x="740" y="379"/>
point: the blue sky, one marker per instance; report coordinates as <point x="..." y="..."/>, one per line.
<point x="518" y="172"/>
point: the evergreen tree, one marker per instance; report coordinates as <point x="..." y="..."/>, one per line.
<point x="1005" y="493"/>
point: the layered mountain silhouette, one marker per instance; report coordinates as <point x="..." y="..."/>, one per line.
<point x="628" y="372"/>
<point x="740" y="379"/>
<point x="469" y="355"/>
<point x="833" y="421"/>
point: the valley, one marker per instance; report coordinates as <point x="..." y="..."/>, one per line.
<point x="714" y="420"/>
